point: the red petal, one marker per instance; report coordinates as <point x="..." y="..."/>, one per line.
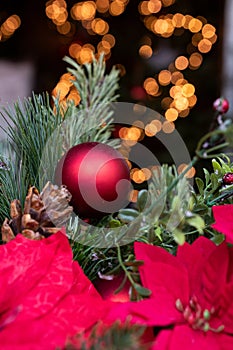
<point x="226" y="308"/>
<point x="162" y="270"/>
<point x="185" y="338"/>
<point x="163" y="279"/>
<point x="194" y="257"/>
<point x="52" y="298"/>
<point x="223" y="215"/>
<point x="150" y="253"/>
<point x="159" y="311"/>
<point x="214" y="276"/>
<point x="162" y="340"/>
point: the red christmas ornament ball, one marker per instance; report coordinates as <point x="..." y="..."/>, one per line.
<point x="98" y="178"/>
<point x="221" y="105"/>
<point x="228" y="179"/>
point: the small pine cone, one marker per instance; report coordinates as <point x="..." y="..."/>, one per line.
<point x="44" y="213"/>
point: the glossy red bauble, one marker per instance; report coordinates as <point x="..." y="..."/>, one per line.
<point x="97" y="177"/>
<point x="221" y="105"/>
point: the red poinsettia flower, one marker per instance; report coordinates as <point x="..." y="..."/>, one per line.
<point x="45" y="296"/>
<point x="191" y="302"/>
<point x="223" y="215"/>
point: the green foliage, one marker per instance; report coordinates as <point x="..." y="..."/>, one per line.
<point x="39" y="132"/>
<point x="116" y="337"/>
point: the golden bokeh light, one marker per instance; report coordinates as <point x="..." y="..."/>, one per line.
<point x="171" y="114"/>
<point x="150" y="130"/>
<point x="176" y="76"/>
<point x="64" y="28"/>
<point x="8" y="27"/>
<point x="99" y="26"/>
<point x="133" y="196"/>
<point x="208" y="31"/>
<point x="181" y="62"/>
<point x="154" y="6"/>
<point x="178" y="20"/>
<point x="145" y="51"/>
<point x="189" y="174"/>
<point x="116" y="8"/>
<point x="164" y="77"/>
<point x="195" y="25"/>
<point x="151" y="86"/>
<point x="157" y="123"/>
<point x="102" y="6"/>
<point x="110" y="39"/>
<point x="181" y="103"/>
<point x="143" y="8"/>
<point x="168" y="127"/>
<point x="188" y="90"/>
<point x="167" y="3"/>
<point x="166" y="102"/>
<point x="195" y="60"/>
<point x="204" y="45"/>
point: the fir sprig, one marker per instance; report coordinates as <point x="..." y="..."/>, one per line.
<point x="39" y="131"/>
<point x="115" y="337"/>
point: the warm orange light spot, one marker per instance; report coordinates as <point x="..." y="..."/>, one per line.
<point x="168" y="2"/>
<point x="176" y="76"/>
<point x="138" y="176"/>
<point x="110" y="39"/>
<point x="178" y="20"/>
<point x="168" y="127"/>
<point x="165" y="103"/>
<point x="145" y="51"/>
<point x="143" y="8"/>
<point x="192" y="100"/>
<point x="151" y="86"/>
<point x="208" y="31"/>
<point x="157" y="123"/>
<point x="175" y="91"/>
<point x="116" y="8"/>
<point x="164" y="77"/>
<point x="64" y="28"/>
<point x="74" y="50"/>
<point x="154" y="6"/>
<point x="188" y="90"/>
<point x="181" y="103"/>
<point x="171" y="114"/>
<point x="181" y="62"/>
<point x="189" y="174"/>
<point x="195" y="25"/>
<point x="133" y="133"/>
<point x="138" y="123"/>
<point x="85" y="55"/>
<point x="187" y="19"/>
<point x="195" y="60"/>
<point x="147" y="173"/>
<point x="133" y="196"/>
<point x="184" y="113"/>
<point x="74" y="96"/>
<point x="88" y="10"/>
<point x="123" y="132"/>
<point x="150" y="130"/>
<point x="204" y="46"/>
<point x="99" y="26"/>
<point x="61" y="90"/>
<point x="102" y="5"/>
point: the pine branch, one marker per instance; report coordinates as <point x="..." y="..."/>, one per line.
<point x="116" y="337"/>
<point x="39" y="134"/>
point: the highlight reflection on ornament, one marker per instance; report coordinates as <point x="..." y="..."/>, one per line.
<point x="98" y="178"/>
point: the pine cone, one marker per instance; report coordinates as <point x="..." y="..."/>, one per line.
<point x="43" y="214"/>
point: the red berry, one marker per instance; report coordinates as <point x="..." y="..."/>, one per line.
<point x="228" y="179"/>
<point x="221" y="105"/>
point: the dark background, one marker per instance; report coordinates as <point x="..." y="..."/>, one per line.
<point x="38" y="41"/>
